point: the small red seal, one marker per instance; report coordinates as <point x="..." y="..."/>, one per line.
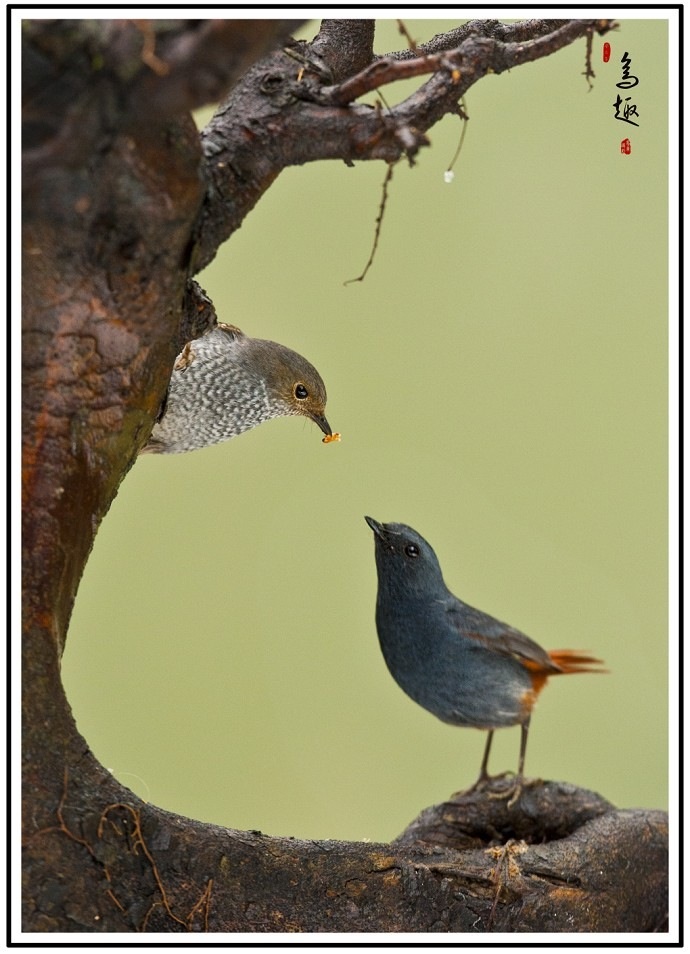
<point x="607" y="52"/>
<point x="625" y="147"/>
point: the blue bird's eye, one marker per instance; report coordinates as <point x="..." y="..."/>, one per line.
<point x="412" y="551"/>
<point x="301" y="392"/>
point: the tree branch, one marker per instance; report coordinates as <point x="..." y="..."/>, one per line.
<point x="347" y="46"/>
<point x="85" y="82"/>
<point x="476" y="56"/>
<point x="203" y="63"/>
<point x="505" y="32"/>
<point x="281" y="115"/>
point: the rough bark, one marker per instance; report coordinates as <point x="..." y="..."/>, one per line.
<point x="123" y="203"/>
<point x="558" y="861"/>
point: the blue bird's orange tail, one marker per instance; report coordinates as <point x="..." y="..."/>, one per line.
<point x="572" y="661"/>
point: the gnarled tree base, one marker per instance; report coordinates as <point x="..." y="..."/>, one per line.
<point x="562" y="859"/>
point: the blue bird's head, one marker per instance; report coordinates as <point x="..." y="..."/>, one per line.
<point x="407" y="565"/>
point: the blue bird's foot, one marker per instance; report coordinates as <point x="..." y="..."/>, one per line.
<point x="512" y="792"/>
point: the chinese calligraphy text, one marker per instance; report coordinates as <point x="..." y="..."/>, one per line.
<point x="624" y="110"/>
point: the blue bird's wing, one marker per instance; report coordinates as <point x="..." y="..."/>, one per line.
<point x="498" y="637"/>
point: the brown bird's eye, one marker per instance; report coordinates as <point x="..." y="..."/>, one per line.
<point x="411" y="550"/>
<point x="301" y="392"/>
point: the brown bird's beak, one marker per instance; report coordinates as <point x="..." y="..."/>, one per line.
<point x="320" y="419"/>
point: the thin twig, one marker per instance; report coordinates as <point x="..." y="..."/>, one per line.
<point x="411" y="42"/>
<point x="379" y="222"/>
<point x="464" y="118"/>
<point x="589" y="72"/>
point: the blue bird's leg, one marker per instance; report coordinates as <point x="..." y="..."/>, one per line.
<point x="483" y="771"/>
<point x="484" y="777"/>
<point x="515" y="790"/>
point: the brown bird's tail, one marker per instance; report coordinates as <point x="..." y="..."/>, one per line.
<point x="572" y="661"/>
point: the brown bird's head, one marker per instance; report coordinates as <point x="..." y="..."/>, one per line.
<point x="292" y="382"/>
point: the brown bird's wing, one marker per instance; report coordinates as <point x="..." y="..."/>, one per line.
<point x="231" y="330"/>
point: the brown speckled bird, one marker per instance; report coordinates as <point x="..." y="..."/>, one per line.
<point x="225" y="383"/>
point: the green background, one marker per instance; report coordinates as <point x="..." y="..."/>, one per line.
<point x="499" y="380"/>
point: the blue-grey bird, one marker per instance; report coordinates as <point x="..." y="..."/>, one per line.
<point x="464" y="666"/>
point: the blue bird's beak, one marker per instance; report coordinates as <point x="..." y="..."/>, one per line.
<point x="375" y="526"/>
